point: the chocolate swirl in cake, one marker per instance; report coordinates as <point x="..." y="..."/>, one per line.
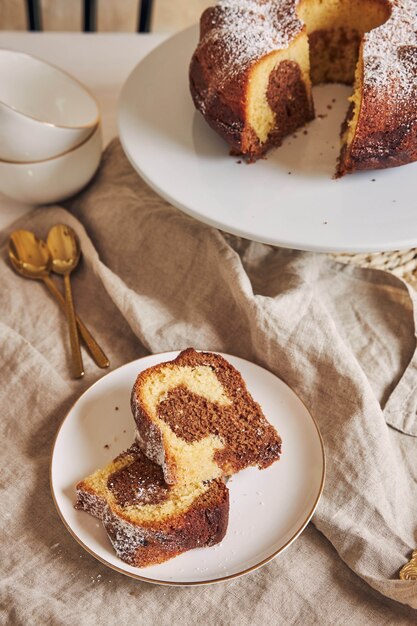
<point x="140" y="482"/>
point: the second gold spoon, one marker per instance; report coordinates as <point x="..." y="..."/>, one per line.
<point x="65" y="253"/>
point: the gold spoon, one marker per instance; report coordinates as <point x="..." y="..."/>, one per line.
<point x="65" y="253"/>
<point x="30" y="257"/>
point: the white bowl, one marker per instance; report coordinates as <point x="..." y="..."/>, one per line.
<point x="55" y="179"/>
<point x="44" y="112"/>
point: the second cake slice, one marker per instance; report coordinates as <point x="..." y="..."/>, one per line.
<point x="146" y="520"/>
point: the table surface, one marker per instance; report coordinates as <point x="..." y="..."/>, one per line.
<point x="102" y="61"/>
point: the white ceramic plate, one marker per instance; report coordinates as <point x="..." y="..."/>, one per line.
<point x="268" y="508"/>
<point x="184" y="161"/>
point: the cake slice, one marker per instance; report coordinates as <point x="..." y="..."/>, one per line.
<point x="196" y="419"/>
<point x="148" y="521"/>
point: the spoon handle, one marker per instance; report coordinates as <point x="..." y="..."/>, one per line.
<point x="77" y="360"/>
<point x="96" y="352"/>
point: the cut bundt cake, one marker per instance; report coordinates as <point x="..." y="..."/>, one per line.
<point x="252" y="71"/>
<point x="147" y="520"/>
<point x="196" y="419"/>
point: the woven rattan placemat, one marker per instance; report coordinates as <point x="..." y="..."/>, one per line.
<point x="402" y="263"/>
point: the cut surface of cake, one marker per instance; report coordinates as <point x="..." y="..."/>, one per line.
<point x="256" y="60"/>
<point x="147" y="520"/>
<point x="196" y="419"/>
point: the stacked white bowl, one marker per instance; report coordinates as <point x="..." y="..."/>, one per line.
<point x="50" y="131"/>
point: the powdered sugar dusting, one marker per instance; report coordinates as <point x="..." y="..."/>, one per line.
<point x="244" y="30"/>
<point x="125" y="536"/>
<point x="390" y="53"/>
<point x="237" y="32"/>
<point x="152" y="445"/>
<point x="92" y="503"/>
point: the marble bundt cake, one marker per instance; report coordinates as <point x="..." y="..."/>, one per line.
<point x="196" y="419"/>
<point x="148" y="521"/>
<point x="252" y="72"/>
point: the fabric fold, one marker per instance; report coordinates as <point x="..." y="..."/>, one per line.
<point x="153" y="279"/>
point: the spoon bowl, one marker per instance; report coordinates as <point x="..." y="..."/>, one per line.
<point x="29" y="255"/>
<point x="64" y="248"/>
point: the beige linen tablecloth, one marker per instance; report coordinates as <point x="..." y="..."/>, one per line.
<point x="153" y="279"/>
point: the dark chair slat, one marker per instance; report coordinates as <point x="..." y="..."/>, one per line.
<point x="90" y="16"/>
<point x="33" y="14"/>
<point x="145" y="16"/>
